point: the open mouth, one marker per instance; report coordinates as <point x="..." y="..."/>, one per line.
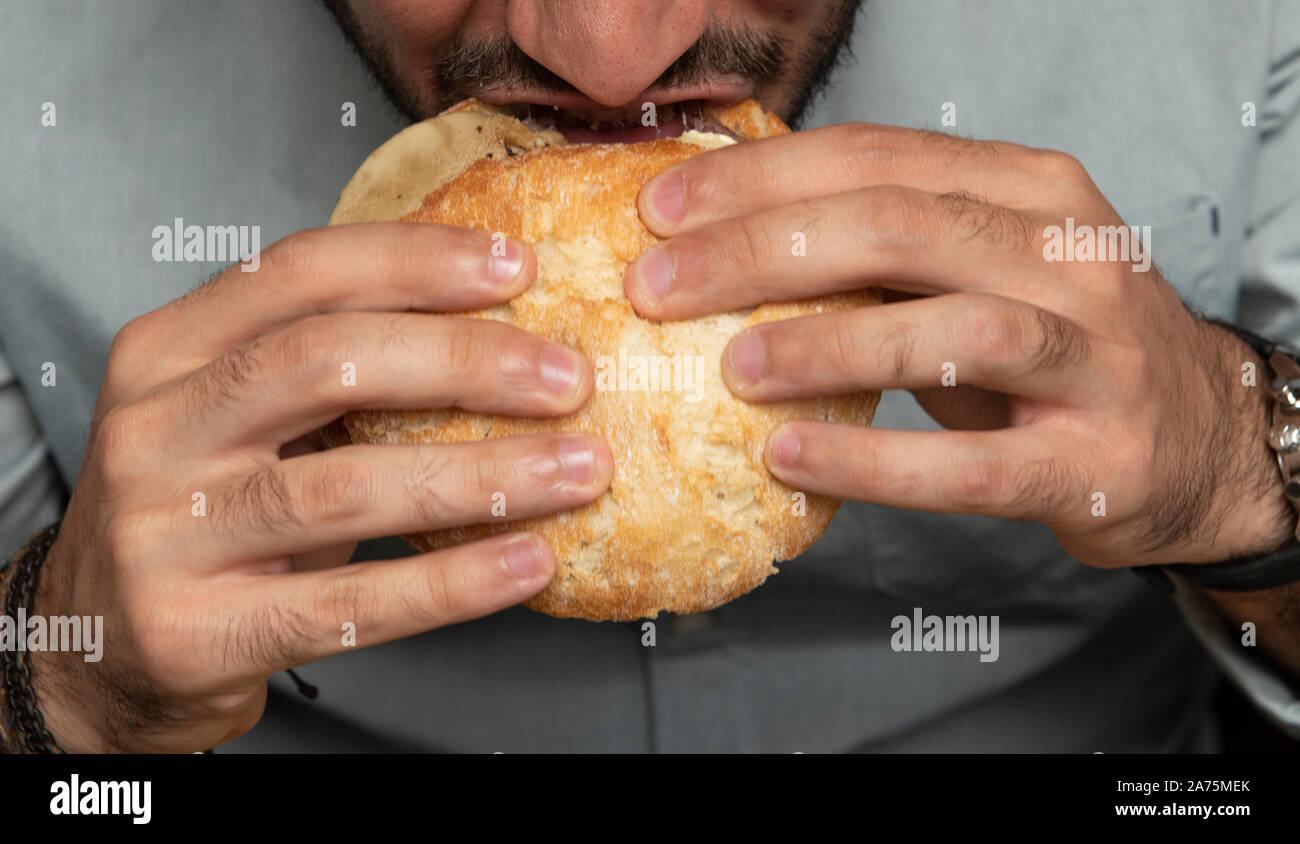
<point x="668" y="121"/>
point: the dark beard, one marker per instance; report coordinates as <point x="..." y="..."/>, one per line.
<point x="752" y="55"/>
<point x="821" y="63"/>
<point x="376" y="57"/>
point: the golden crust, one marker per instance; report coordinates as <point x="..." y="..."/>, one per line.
<point x="748" y="119"/>
<point x="468" y="105"/>
<point x="396" y="177"/>
<point x="692" y="518"/>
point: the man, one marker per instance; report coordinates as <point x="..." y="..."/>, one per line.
<point x="1083" y="400"/>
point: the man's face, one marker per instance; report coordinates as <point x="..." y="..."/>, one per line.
<point x="598" y="61"/>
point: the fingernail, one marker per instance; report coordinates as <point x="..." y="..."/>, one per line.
<point x="578" y="462"/>
<point x="748" y="357"/>
<point x="667" y="199"/>
<point x="506" y="267"/>
<point x="524" y="559"/>
<point x="785" y="447"/>
<point x="654" y="273"/>
<point x="560" y="370"/>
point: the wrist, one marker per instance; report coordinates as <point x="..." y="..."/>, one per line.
<point x="67" y="722"/>
<point x="1262" y="519"/>
<point x="63" y="681"/>
<point x="36" y="713"/>
<point x="1256" y="516"/>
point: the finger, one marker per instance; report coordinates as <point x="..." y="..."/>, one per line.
<point x="302" y="616"/>
<point x="1011" y="474"/>
<point x="744" y="178"/>
<point x="363" y="491"/>
<point x="279" y="387"/>
<point x="888" y="236"/>
<point x="364" y="267"/>
<point x="941" y="341"/>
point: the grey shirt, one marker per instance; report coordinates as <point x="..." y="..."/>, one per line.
<point x="230" y="114"/>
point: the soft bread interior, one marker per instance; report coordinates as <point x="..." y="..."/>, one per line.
<point x="396" y="177"/>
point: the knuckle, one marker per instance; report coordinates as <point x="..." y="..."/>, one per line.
<point x="953" y="148"/>
<point x="431" y="470"/>
<point x="225" y="378"/>
<point x="980" y="480"/>
<point x="301" y="354"/>
<point x="971" y="219"/>
<point x="1038" y="487"/>
<point x="262" y="500"/>
<point x="459" y="349"/>
<point x="894" y="216"/>
<point x="516" y="358"/>
<point x="126" y="348"/>
<point x="866" y="149"/>
<point x="436" y="594"/>
<point x="131" y="337"/>
<point x="480" y="477"/>
<point x="119" y="437"/>
<point x="746" y="246"/>
<point x="125" y="537"/>
<point x="303" y="343"/>
<point x="293" y="258"/>
<point x="1103" y="280"/>
<point x="394" y="331"/>
<point x="703" y="186"/>
<point x="280" y="633"/>
<point x="1033" y="339"/>
<point x="1062" y="167"/>
<point x="1057" y="343"/>
<point x="330" y="493"/>
<point x="898" y="347"/>
<point x="345" y="597"/>
<point x="999" y="333"/>
<point x="117" y="429"/>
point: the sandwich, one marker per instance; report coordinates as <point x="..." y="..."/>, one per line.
<point x="692" y="518"/>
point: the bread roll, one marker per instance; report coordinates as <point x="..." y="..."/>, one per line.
<point x="692" y="519"/>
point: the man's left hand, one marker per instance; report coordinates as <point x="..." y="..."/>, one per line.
<point x="1083" y="394"/>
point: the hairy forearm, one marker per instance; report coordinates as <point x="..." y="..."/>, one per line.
<point x="1275" y="614"/>
<point x="1262" y="521"/>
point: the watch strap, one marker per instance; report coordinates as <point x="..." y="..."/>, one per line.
<point x="1247" y="574"/>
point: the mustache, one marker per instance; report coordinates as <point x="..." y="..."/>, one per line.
<point x="474" y="64"/>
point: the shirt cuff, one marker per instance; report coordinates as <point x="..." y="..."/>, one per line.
<point x="1264" y="685"/>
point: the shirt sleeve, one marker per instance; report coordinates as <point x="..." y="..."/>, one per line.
<point x="1264" y="685"/>
<point x="1270" y="291"/>
<point x="1269" y="306"/>
<point x="31" y="492"/>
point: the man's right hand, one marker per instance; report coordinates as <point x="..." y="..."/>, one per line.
<point x="203" y="395"/>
